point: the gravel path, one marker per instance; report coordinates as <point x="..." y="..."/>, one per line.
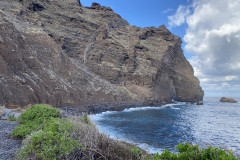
<point x="8" y="146"/>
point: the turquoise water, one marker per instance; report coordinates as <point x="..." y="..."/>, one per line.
<point x="157" y="128"/>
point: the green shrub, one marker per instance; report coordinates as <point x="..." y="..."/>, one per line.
<point x="35" y="118"/>
<point x="39" y="111"/>
<point x="11" y="118"/>
<point x="46" y="136"/>
<point x="25" y="129"/>
<point x="136" y="152"/>
<point x="53" y="142"/>
<point x="192" y="152"/>
<point x="86" y="120"/>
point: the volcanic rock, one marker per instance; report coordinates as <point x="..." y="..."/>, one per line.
<point x="9" y="113"/>
<point x="230" y="100"/>
<point x="61" y="53"/>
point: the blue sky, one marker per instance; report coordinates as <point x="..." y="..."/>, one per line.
<point x="210" y="30"/>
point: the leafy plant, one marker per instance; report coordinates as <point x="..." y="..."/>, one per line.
<point x="53" y="142"/>
<point x="192" y="152"/>
<point x="46" y="136"/>
<point x="87" y="120"/>
<point x="11" y="118"/>
<point x="39" y="111"/>
<point x="35" y="118"/>
<point x="136" y="151"/>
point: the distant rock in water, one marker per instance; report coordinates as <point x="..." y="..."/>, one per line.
<point x="60" y="53"/>
<point x="199" y="103"/>
<point x="230" y="100"/>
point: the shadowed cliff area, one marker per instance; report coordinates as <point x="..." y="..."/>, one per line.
<point x="61" y="53"/>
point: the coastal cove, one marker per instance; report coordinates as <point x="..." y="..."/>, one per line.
<point x="83" y="82"/>
<point x="156" y="128"/>
<point x="75" y="137"/>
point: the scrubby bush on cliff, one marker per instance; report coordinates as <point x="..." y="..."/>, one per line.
<point x="49" y="137"/>
<point x="34" y="119"/>
<point x="39" y="111"/>
<point x="192" y="152"/>
<point x="54" y="141"/>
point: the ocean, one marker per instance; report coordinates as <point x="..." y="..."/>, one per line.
<point x="158" y="128"/>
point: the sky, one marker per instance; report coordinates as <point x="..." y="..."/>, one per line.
<point x="210" y="30"/>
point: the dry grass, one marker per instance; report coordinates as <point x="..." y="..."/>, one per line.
<point x="97" y="145"/>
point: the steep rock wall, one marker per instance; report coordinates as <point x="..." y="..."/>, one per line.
<point x="61" y="53"/>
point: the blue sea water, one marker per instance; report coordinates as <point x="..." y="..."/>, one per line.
<point x="157" y="128"/>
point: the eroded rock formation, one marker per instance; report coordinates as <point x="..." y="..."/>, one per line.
<point x="61" y="53"/>
<point x="230" y="100"/>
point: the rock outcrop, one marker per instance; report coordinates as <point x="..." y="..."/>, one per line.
<point x="9" y="113"/>
<point x="61" y="53"/>
<point x="230" y="100"/>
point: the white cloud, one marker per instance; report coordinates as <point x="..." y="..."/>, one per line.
<point x="213" y="35"/>
<point x="167" y="11"/>
<point x="180" y="17"/>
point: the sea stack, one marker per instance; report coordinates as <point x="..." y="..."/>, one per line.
<point x="60" y="53"/>
<point x="230" y="100"/>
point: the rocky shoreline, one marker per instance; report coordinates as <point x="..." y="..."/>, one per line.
<point x="8" y="146"/>
<point x="103" y="107"/>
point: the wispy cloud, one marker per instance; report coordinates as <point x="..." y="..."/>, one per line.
<point x="179" y="17"/>
<point x="167" y="11"/>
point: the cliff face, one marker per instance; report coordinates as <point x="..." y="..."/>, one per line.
<point x="58" y="52"/>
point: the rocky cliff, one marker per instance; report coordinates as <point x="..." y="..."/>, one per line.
<point x="61" y="53"/>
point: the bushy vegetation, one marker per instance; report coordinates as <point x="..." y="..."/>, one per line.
<point x="136" y="151"/>
<point x="52" y="142"/>
<point x="48" y="137"/>
<point x="193" y="152"/>
<point x="39" y="112"/>
<point x="35" y="118"/>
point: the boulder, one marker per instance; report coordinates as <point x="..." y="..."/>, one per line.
<point x="230" y="100"/>
<point x="6" y="114"/>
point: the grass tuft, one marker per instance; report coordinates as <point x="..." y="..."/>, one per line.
<point x="11" y="118"/>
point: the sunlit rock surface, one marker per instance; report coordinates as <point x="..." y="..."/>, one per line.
<point x="61" y="53"/>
